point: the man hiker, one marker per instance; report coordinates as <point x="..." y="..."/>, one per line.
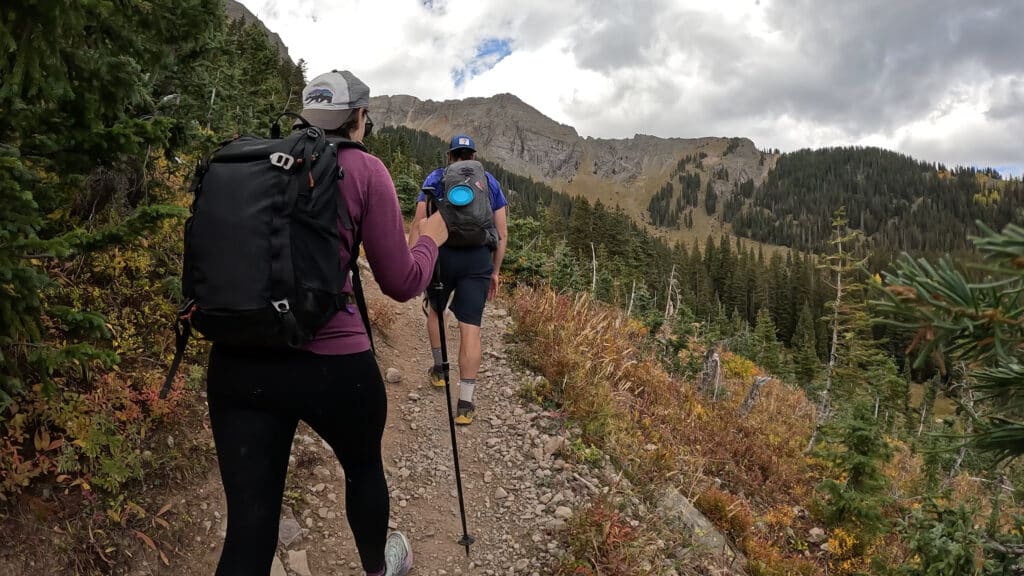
<point x="468" y="268"/>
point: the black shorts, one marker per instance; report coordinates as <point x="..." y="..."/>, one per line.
<point x="467" y="272"/>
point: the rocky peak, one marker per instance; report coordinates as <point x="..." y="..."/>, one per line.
<point x="236" y="10"/>
<point x="506" y="130"/>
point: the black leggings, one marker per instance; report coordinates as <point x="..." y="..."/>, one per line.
<point x="256" y="400"/>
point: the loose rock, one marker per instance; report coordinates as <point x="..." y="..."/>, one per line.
<point x="288" y="531"/>
<point x="277" y="568"/>
<point x="298" y="562"/>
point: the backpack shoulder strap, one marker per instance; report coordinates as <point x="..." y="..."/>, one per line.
<point x="346" y="143"/>
<point x="346" y="220"/>
<point x="340" y="144"/>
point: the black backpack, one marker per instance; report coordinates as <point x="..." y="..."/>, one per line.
<point x="263" y="263"/>
<point x="465" y="204"/>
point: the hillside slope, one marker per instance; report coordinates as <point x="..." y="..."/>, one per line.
<point x="236" y="10"/>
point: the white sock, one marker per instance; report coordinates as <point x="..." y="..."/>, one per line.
<point x="466" y="386"/>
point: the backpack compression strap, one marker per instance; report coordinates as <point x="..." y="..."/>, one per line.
<point x="182" y="331"/>
<point x="282" y="279"/>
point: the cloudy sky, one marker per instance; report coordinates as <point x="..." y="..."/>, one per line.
<point x="942" y="80"/>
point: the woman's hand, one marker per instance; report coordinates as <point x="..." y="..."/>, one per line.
<point x="435" y="227"/>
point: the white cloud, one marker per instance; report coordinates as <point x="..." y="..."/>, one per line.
<point x="926" y="77"/>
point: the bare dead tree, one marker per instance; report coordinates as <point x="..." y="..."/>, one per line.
<point x="926" y="408"/>
<point x="670" y="309"/>
<point x="632" y="293"/>
<point x="972" y="415"/>
<point x="753" y="395"/>
<point x="825" y="406"/>
<point x="711" y="377"/>
<point x="593" y="277"/>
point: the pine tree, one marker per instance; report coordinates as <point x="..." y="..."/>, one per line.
<point x="857" y="449"/>
<point x="767" y="350"/>
<point x="807" y="365"/>
<point x="710" y="199"/>
<point x="720" y="327"/>
<point x="703" y="293"/>
<point x="841" y="265"/>
<point x="859" y="371"/>
<point x="564" y="272"/>
<point x="781" y="295"/>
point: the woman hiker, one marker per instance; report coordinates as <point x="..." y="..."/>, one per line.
<point x="257" y="396"/>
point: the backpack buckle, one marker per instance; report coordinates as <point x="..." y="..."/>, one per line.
<point x="281" y="306"/>
<point x="282" y="160"/>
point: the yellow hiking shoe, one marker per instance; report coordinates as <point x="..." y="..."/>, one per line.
<point x="465" y="412"/>
<point x="436" y="377"/>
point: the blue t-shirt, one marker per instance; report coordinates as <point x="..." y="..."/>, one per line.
<point x="433" y="180"/>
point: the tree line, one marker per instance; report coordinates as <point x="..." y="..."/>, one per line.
<point x="900" y="204"/>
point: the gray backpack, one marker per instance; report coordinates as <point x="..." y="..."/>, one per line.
<point x="465" y="204"/>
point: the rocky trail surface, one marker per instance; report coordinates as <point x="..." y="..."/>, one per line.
<point x="519" y="491"/>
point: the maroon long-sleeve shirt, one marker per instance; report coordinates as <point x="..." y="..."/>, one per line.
<point x="401" y="272"/>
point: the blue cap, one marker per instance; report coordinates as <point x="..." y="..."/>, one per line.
<point x="462" y="141"/>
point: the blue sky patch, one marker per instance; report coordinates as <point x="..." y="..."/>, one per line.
<point x="488" y="54"/>
<point x="1014" y="170"/>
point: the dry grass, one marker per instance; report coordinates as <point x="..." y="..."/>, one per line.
<point x="660" y="431"/>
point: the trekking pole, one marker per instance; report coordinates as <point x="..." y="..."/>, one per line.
<point x="437" y="288"/>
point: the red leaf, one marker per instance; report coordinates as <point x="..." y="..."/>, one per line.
<point x="149" y="541"/>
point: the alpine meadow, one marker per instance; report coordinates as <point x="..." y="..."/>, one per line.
<point x="706" y="355"/>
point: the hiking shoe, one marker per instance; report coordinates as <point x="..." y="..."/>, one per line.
<point x="436" y="377"/>
<point x="465" y="413"/>
<point x="397" y="555"/>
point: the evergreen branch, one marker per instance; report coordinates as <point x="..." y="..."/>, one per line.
<point x="79" y="241"/>
<point x="1009" y="550"/>
<point x="1005" y="246"/>
<point x="1002" y="437"/>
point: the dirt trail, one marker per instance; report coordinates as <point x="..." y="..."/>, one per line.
<point x="519" y="492"/>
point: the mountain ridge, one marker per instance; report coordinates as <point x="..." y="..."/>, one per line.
<point x="624" y="172"/>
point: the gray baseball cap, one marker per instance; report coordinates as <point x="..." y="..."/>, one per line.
<point x="329" y="98"/>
